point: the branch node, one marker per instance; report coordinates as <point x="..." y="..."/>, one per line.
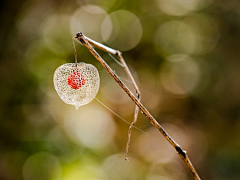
<point x="180" y="151"/>
<point x="118" y="53"/>
<point x="79" y="34"/>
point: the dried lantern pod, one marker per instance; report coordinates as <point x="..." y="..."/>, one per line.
<point x="76" y="85"/>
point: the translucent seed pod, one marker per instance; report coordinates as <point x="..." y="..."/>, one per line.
<point x="76" y="85"/>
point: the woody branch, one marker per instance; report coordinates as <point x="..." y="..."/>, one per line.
<point x="182" y="153"/>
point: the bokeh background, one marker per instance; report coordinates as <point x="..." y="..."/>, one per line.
<point x="185" y="57"/>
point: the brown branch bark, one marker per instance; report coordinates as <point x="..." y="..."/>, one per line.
<point x="182" y="153"/>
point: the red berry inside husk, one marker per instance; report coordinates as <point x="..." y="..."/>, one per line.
<point x="76" y="80"/>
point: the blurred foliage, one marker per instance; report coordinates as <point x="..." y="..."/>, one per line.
<point x="184" y="55"/>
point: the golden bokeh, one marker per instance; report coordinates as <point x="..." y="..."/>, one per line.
<point x="184" y="56"/>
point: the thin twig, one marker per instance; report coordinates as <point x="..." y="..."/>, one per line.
<point x="182" y="153"/>
<point x="119" y="63"/>
<point x="124" y="65"/>
<point x="136" y="107"/>
<point x="75" y="52"/>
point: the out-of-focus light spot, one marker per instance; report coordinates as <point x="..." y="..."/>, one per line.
<point x="40" y="166"/>
<point x="111" y="90"/>
<point x="194" y="5"/>
<point x="157" y="177"/>
<point x="116" y="168"/>
<point x="173" y="170"/>
<point x="205" y="75"/>
<point x="188" y="39"/>
<point x="199" y="142"/>
<point x="196" y="34"/>
<point x="154" y="148"/>
<point x="107" y="28"/>
<point x="88" y="20"/>
<point x="55" y="106"/>
<point x="57" y="140"/>
<point x="106" y="3"/>
<point x="176" y="36"/>
<point x="38" y="61"/>
<point x="126" y="30"/>
<point x="84" y="169"/>
<point x="90" y="126"/>
<point x="172" y="7"/>
<point x="180" y="74"/>
<point x="151" y="98"/>
<point x="181" y="7"/>
<point x="56" y="33"/>
<point x="207" y="32"/>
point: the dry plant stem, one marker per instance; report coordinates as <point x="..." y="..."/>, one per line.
<point x="182" y="153"/>
<point x="75" y="52"/>
<point x="136" y="107"/>
<point x="119" y="54"/>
